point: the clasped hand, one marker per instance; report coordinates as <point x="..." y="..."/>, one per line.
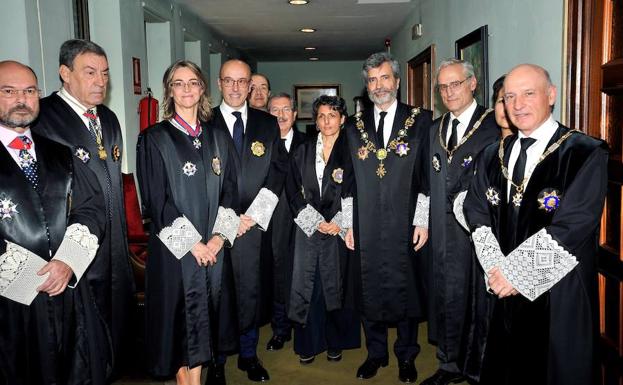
<point x="59" y="275"/>
<point x="246" y="223"/>
<point x="205" y="254"/>
<point x="499" y="284"/>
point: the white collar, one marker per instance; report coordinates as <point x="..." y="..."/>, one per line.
<point x="466" y="115"/>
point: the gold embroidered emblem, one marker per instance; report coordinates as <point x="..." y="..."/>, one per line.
<point x="257" y="148"/>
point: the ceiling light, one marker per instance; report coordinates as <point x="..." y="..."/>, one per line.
<point x="310" y="48"/>
<point x="313" y="58"/>
<point x="307" y="30"/>
<point x="298" y="2"/>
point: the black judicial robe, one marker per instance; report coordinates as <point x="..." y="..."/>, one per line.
<point x="279" y="238"/>
<point x="110" y="274"/>
<point x="327" y="252"/>
<point x="391" y="274"/>
<point x="565" y="317"/>
<point x="181" y="296"/>
<point x="55" y="340"/>
<point x="451" y="253"/>
<point x="247" y="303"/>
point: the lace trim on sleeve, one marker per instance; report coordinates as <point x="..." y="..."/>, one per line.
<point x="347" y="213"/>
<point x="77" y="249"/>
<point x="180" y="237"/>
<point x="226" y="224"/>
<point x="422" y="210"/>
<point x="18" y="274"/>
<point x="308" y="220"/>
<point x="536" y="265"/>
<point x="457" y="208"/>
<point x="262" y="207"/>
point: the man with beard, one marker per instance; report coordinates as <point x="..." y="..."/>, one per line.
<point x="280" y="235"/>
<point x="259" y="92"/>
<point x="51" y="216"/>
<point x="456" y="140"/>
<point x="261" y="166"/>
<point x="386" y="144"/>
<point x="76" y="117"/>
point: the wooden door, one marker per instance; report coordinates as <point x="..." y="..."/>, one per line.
<point x="421" y="78"/>
<point x="595" y="106"/>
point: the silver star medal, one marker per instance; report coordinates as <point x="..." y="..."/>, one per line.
<point x="7" y="208"/>
<point x="82" y="154"/>
<point x="492" y="196"/>
<point x="517" y="199"/>
<point x="26" y="161"/>
<point x="436" y="163"/>
<point x="189" y="169"/>
<point x="197" y="143"/>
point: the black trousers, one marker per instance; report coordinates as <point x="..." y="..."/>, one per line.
<point x="279" y="322"/>
<point x="406" y="346"/>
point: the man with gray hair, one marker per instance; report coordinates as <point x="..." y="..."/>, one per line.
<point x="76" y="117"/>
<point x="280" y="234"/>
<point x="386" y="144"/>
<point x="455" y="141"/>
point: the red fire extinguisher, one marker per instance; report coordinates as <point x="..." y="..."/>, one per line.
<point x="148" y="111"/>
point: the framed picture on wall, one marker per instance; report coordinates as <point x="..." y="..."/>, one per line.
<point x="473" y="48"/>
<point x="305" y="94"/>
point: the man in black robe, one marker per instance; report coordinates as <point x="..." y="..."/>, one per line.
<point x="261" y="167"/>
<point x="456" y="139"/>
<point x="386" y="144"/>
<point x="534" y="208"/>
<point x="280" y="234"/>
<point x="76" y="117"/>
<point x="51" y="216"/>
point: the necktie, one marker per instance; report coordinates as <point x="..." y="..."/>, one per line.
<point x="27" y="162"/>
<point x="379" y="131"/>
<point x="520" y="166"/>
<point x="454" y="135"/>
<point x="96" y="131"/>
<point x="283" y="140"/>
<point x="238" y="135"/>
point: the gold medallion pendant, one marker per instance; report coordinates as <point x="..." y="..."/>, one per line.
<point x="381" y="154"/>
<point x="380" y="171"/>
<point x="362" y="153"/>
<point x="257" y="148"/>
<point x="102" y="153"/>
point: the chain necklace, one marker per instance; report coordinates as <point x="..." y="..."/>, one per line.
<point x="464" y="139"/>
<point x="518" y="196"/>
<point x="398" y="145"/>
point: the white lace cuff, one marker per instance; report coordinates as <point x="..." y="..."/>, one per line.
<point x="262" y="207"/>
<point x="226" y="224"/>
<point x="537" y="264"/>
<point x="339" y="219"/>
<point x="457" y="208"/>
<point x="308" y="220"/>
<point x="347" y="213"/>
<point x="180" y="237"/>
<point x="487" y="248"/>
<point x="77" y="249"/>
<point x="422" y="210"/>
<point x="18" y="274"/>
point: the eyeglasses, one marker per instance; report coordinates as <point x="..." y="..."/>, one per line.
<point x="229" y="82"/>
<point x="13" y="92"/>
<point x="275" y="110"/>
<point x="451" y="86"/>
<point x="180" y="84"/>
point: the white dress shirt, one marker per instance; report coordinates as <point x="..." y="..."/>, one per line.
<point x="464" y="120"/>
<point x="543" y="134"/>
<point x="389" y="120"/>
<point x="7" y="136"/>
<point x="320" y="164"/>
<point x="230" y="119"/>
<point x="288" y="138"/>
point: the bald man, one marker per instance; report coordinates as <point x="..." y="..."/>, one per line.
<point x="261" y="162"/>
<point x="52" y="217"/>
<point x="535" y="228"/>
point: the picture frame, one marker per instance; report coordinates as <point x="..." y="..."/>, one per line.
<point x="305" y="94"/>
<point x="473" y="47"/>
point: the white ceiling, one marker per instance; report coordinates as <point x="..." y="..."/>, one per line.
<point x="267" y="30"/>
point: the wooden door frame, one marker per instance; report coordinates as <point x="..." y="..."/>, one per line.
<point x="422" y="57"/>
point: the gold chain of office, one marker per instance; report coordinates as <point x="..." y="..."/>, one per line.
<point x="398" y="144"/>
<point x="464" y="139"/>
<point x="518" y="196"/>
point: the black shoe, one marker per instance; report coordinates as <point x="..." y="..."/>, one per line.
<point x="443" y="377"/>
<point x="370" y="366"/>
<point x="277" y="342"/>
<point x="407" y="372"/>
<point x="216" y="374"/>
<point x="306" y="360"/>
<point x="253" y="367"/>
<point x="334" y="355"/>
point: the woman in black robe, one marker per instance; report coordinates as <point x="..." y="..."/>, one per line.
<point x="320" y="191"/>
<point x="188" y="190"/>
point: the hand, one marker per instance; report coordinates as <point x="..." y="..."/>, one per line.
<point x="60" y="274"/>
<point x="203" y="255"/>
<point x="350" y="239"/>
<point x="499" y="284"/>
<point x="246" y="223"/>
<point x="215" y="244"/>
<point x="420" y="236"/>
<point x="329" y="228"/>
